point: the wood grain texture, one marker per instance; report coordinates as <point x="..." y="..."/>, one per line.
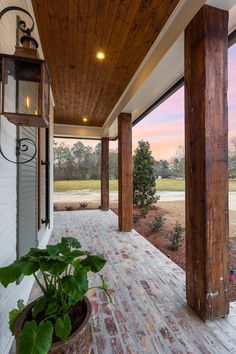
<point x="73" y="31"/>
<point x="125" y="178"/>
<point x="105" y="174"/>
<point x="206" y="129"/>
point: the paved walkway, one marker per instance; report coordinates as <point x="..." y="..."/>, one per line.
<point x="149" y="314"/>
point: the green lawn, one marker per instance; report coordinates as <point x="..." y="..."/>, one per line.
<point x="162" y="185"/>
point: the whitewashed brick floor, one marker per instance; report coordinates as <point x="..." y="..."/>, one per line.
<point x="149" y="314"/>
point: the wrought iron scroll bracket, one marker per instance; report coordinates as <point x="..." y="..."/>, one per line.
<point x="21" y="24"/>
<point x="22" y="145"/>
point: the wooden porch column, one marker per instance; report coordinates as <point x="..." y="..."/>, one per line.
<point x="206" y="144"/>
<point x="105" y="174"/>
<point x="125" y="181"/>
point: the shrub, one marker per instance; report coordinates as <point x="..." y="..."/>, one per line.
<point x="69" y="208"/>
<point x="232" y="274"/>
<point x="144" y="176"/>
<point x="83" y="204"/>
<point x="135" y="217"/>
<point x="157" y="224"/>
<point x="144" y="211"/>
<point x="175" y="237"/>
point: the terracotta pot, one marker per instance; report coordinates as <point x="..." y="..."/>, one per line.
<point x="78" y="342"/>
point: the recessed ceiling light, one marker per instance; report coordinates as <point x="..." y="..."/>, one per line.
<point x="85" y="119"/>
<point x="100" y="55"/>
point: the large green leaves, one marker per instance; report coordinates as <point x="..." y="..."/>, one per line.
<point x="71" y="242"/>
<point x="28" y="267"/>
<point x="13" y="314"/>
<point x="94" y="263"/>
<point x="75" y="286"/>
<point x="53" y="265"/>
<point x="63" y="327"/>
<point x="35" y="339"/>
<point x="39" y="306"/>
<point x="64" y="282"/>
<point x="10" y="274"/>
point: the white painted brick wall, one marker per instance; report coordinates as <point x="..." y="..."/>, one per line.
<point x="9" y="296"/>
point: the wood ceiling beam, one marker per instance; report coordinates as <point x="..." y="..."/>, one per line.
<point x="77" y="131"/>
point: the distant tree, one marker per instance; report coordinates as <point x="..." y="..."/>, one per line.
<point x="162" y="168"/>
<point x="144" y="176"/>
<point x="177" y="162"/>
<point x="232" y="159"/>
<point x="81" y="162"/>
<point x="63" y="161"/>
<point x="113" y="164"/>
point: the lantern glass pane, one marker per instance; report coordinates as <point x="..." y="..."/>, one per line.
<point x="28" y="98"/>
<point x="9" y="87"/>
<point x="22" y="87"/>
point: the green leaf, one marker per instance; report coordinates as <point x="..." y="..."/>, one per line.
<point x="53" y="250"/>
<point x="13" y="314"/>
<point x="94" y="263"/>
<point x="73" y="288"/>
<point x="78" y="253"/>
<point x="29" y="267"/>
<point x="54" y="267"/>
<point x="52" y="308"/>
<point x="35" y="252"/>
<point x="39" y="306"/>
<point x="10" y="273"/>
<point x="81" y="277"/>
<point x="105" y="288"/>
<point x="20" y="305"/>
<point x="71" y="242"/>
<point x="35" y="340"/>
<point x="63" y="327"/>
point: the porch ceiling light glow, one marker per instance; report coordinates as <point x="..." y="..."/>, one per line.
<point x="25" y="82"/>
<point x="100" y="55"/>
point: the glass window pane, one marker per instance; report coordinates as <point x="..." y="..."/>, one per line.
<point x="22" y="85"/>
<point x="28" y="97"/>
<point x="10" y="87"/>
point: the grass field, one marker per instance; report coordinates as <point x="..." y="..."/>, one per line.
<point x="162" y="185"/>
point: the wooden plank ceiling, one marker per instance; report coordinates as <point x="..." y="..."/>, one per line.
<point x="72" y="32"/>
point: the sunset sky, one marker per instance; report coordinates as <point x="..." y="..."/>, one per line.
<point x="164" y="126"/>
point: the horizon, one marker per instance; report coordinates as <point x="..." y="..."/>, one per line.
<point x="168" y="121"/>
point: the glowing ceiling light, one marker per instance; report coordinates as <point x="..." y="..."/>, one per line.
<point x="100" y="55"/>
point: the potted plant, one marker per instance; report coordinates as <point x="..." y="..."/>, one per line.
<point x="57" y="322"/>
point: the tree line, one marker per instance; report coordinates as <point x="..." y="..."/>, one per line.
<point x="83" y="162"/>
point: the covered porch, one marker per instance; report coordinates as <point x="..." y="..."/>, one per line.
<point x="150" y="313"/>
<point x="149" y="50"/>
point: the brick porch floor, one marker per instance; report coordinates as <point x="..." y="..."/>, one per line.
<point x="149" y="314"/>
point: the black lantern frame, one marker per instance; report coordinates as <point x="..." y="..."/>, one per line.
<point x="32" y="107"/>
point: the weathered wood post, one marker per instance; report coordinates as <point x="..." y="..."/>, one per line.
<point x="125" y="172"/>
<point x="206" y="145"/>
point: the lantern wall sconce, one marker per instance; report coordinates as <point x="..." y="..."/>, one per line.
<point x="24" y="84"/>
